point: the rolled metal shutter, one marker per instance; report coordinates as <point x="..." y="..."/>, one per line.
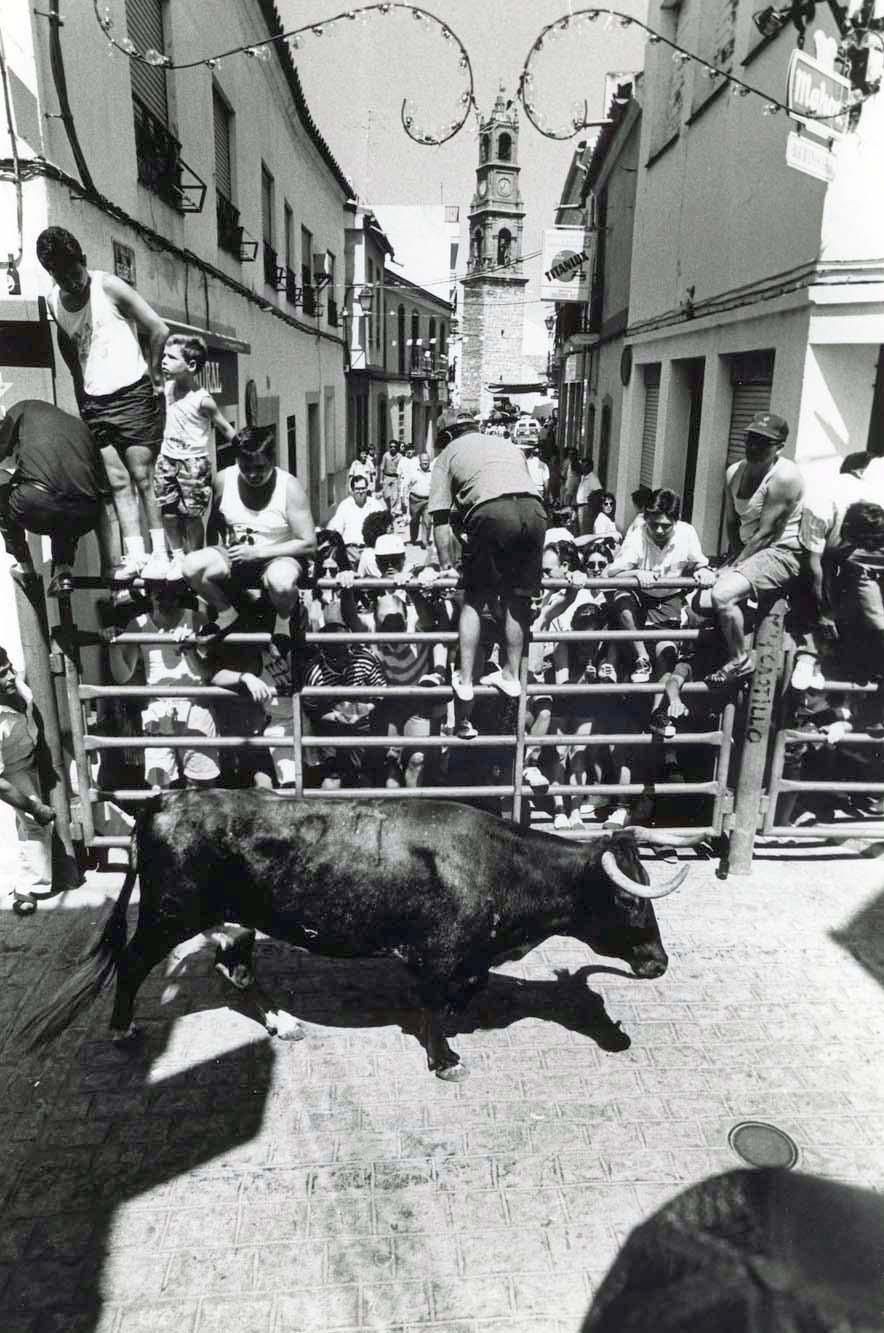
<point x="752" y="380"/>
<point x="144" y="22"/>
<point x="221" y="117"/>
<point x="649" y="425"/>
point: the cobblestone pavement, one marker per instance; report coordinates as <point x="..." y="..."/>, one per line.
<point x="215" y="1179"/>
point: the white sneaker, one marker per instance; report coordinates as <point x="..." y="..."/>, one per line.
<point x="561" y="820"/>
<point x="175" y="569"/>
<point x="576" y="820"/>
<point x="806" y="664"/>
<point x="156" y="567"/>
<point x="462" y="689"/>
<point x="617" y="818"/>
<point x="535" y="778"/>
<point x="130" y="566"/>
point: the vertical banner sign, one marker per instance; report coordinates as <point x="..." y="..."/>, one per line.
<point x="567" y="265"/>
<point x="812" y="89"/>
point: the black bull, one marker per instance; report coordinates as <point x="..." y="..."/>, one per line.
<point x="447" y="889"/>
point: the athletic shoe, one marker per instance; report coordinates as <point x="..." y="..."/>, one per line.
<point x="430" y="679"/>
<point x="607" y="674"/>
<point x="499" y="681"/>
<point x="130" y="566"/>
<point x="462" y="689"/>
<point x="561" y="821"/>
<point x="642" y="672"/>
<point x="803" y="672"/>
<point x="175" y="569"/>
<point x="465" y="730"/>
<point x="617" y="818"/>
<point x="575" y="820"/>
<point x="661" y="724"/>
<point x="535" y="778"/>
<point x="156" y="568"/>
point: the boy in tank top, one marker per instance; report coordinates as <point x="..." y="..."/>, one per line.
<point x="100" y="320"/>
<point x="268" y="535"/>
<point x="183" y="476"/>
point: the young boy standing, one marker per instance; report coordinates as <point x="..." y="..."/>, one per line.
<point x="183" y="475"/>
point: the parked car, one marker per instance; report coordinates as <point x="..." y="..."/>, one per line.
<point x="526" y="428"/>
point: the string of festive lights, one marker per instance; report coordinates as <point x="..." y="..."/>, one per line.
<point x="293" y="38"/>
<point x="582" y="19"/>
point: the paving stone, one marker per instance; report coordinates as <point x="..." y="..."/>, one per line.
<point x="252" y="1314"/>
<point x="483" y="1297"/>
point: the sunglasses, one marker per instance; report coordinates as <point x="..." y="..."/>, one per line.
<point x="596" y="564"/>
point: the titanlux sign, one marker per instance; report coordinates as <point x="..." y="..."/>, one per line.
<point x="566" y="265"/>
<point x="814" y="90"/>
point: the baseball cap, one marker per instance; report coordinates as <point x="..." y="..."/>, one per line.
<point x="456" y="417"/>
<point x="769" y="426"/>
<point x="389" y="544"/>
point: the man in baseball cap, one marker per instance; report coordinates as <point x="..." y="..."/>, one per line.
<point x="763" y="514"/>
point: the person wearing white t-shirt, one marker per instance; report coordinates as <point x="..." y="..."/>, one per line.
<point x="663" y="548"/>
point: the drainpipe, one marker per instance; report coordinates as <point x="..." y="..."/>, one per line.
<point x="65" y="115"/>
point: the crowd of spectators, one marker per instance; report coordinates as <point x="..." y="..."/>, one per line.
<point x="461" y="539"/>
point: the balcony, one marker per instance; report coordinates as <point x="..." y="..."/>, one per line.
<point x="309" y="295"/>
<point x="332" y="312"/>
<point x="274" y="276"/>
<point x="161" y="168"/>
<point x="229" y="226"/>
<point x="427" y="367"/>
<point x="292" y="290"/>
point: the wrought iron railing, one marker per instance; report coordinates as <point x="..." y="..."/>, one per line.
<point x="161" y="168"/>
<point x="229" y="226"/>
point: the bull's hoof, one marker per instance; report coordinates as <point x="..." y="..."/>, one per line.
<point x="284" y="1027"/>
<point x="127" y="1036"/>
<point x="453" y="1073"/>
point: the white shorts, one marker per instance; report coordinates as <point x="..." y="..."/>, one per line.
<point x="178" y="717"/>
<point x="280" y="724"/>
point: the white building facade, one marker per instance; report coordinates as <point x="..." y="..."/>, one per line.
<point x="753" y="285"/>
<point x="210" y="189"/>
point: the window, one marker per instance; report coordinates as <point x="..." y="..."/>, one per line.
<point x="144" y="22"/>
<point x="752" y="381"/>
<point x="291" y="437"/>
<point x="649" y="424"/>
<point x="332" y="302"/>
<point x="485" y="149"/>
<point x="157" y="151"/>
<point x="431" y="340"/>
<point x="267" y="201"/>
<point x="309" y="296"/>
<point x="400" y="338"/>
<point x="504" y="247"/>
<point x="415" y="340"/>
<point x="504" y="148"/>
<point x="226" y="215"/>
<point x="288" y="226"/>
<point x="382" y="424"/>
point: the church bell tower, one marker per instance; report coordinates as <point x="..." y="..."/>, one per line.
<point x="494" y="286"/>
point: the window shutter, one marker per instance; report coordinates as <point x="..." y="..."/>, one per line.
<point x="649" y="425"/>
<point x="144" y="22"/>
<point x="223" y="174"/>
<point x="752" y="380"/>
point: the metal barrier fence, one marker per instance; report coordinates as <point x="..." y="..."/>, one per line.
<point x="737" y="813"/>
<point x="718" y="740"/>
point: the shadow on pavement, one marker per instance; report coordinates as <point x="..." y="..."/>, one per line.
<point x="863" y="937"/>
<point x="90" y="1128"/>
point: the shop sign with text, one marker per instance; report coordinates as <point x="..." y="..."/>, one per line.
<point x="567" y="265"/>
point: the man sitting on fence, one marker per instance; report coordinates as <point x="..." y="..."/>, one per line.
<point x="763" y="512"/>
<point x="268" y="534"/>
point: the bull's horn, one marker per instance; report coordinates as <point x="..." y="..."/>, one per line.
<point x="613" y="871"/>
<point x="653" y="837"/>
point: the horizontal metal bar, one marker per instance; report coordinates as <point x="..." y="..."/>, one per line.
<point x="711" y="738"/>
<point x="844" y="829"/>
<point x="143" y="638"/>
<point x="819" y="738"/>
<point x="310" y="742"/>
<point x="633" y="789"/>
<point x="793" y="784"/>
<point x="437" y="692"/>
<point x="625" y="581"/>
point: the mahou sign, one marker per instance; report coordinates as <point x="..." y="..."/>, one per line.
<point x="567" y="266"/>
<point x="814" y="90"/>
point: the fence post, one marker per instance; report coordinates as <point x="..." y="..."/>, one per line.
<point x="756" y="736"/>
<point x="30" y="605"/>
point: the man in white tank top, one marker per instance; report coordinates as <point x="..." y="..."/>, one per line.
<point x="119" y="393"/>
<point x="267" y="531"/>
<point x="763" y="514"/>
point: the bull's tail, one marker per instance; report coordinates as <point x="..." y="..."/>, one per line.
<point x="95" y="972"/>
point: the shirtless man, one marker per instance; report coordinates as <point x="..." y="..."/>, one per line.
<point x="763" y="499"/>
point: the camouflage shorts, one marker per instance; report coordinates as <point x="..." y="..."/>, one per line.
<point x="183" y="486"/>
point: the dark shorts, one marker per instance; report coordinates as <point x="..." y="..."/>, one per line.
<point x="32" y="509"/>
<point x="183" y="486"/>
<point x="651" y="612"/>
<point x="130" y="418"/>
<point x="251" y="575"/>
<point x="504" y="548"/>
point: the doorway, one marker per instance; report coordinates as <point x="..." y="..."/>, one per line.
<point x="694" y="376"/>
<point x="314" y="459"/>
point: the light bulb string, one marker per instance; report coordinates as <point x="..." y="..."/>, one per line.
<point x="155" y="59"/>
<point x="567" y="21"/>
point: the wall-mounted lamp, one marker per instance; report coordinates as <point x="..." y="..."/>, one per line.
<point x="365" y="297"/>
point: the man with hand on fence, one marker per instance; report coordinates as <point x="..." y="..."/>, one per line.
<point x="482" y="484"/>
<point x="763" y="512"/>
<point x="268" y="535"/>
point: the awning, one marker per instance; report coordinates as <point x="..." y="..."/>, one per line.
<point x="543" y="410"/>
